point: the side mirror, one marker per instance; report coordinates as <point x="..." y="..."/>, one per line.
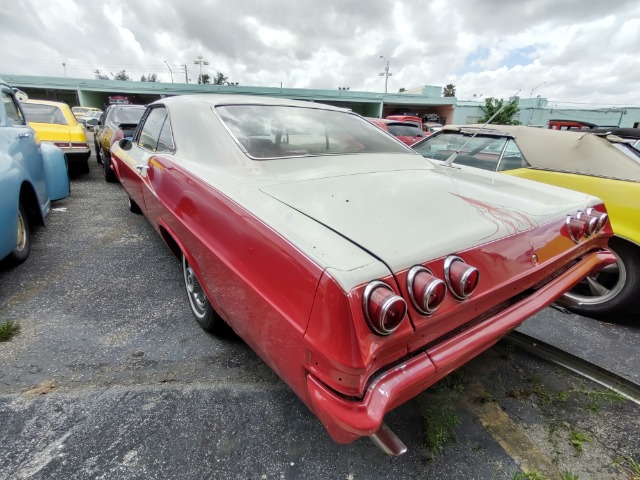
<point x="125" y="144"/>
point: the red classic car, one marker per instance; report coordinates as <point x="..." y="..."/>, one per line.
<point x="407" y="132"/>
<point x="359" y="271"/>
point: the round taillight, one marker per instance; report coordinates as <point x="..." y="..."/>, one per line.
<point x="461" y="279"/>
<point x="426" y="291"/>
<point x="383" y="309"/>
<point x="602" y="217"/>
<point x="576" y="228"/>
<point x="591" y="221"/>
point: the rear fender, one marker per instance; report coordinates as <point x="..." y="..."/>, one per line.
<point x="55" y="171"/>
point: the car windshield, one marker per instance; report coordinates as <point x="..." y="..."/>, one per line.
<point x="128" y="115"/>
<point x="273" y="131"/>
<point x="41" y="113"/>
<point x="629" y="151"/>
<point x="480" y="151"/>
<point x="404" y="130"/>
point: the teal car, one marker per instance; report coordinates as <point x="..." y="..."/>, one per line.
<point x="32" y="175"/>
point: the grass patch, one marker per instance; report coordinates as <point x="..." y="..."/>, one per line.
<point x="438" y="413"/>
<point x="578" y="439"/>
<point x="8" y="329"/>
<point x="629" y="465"/>
<point x="567" y="475"/>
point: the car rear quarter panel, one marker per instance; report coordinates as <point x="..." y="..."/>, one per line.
<point x="619" y="196"/>
<point x="9" y="195"/>
<point x="55" y="172"/>
<point x="255" y="279"/>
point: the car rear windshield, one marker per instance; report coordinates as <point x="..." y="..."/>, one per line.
<point x="404" y="130"/>
<point x="41" y="113"/>
<point x="274" y="131"/>
<point x="128" y="114"/>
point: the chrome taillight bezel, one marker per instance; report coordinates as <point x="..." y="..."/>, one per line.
<point x="572" y="222"/>
<point x="462" y="294"/>
<point x="603" y="217"/>
<point x="421" y="306"/>
<point x="591" y="221"/>
<point x="378" y="327"/>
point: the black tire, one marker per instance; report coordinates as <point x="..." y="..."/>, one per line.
<point x="611" y="294"/>
<point x="23" y="242"/>
<point x="109" y="175"/>
<point x="98" y="154"/>
<point x="133" y="206"/>
<point x="201" y="308"/>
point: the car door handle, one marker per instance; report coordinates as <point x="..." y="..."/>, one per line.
<point x="142" y="167"/>
<point x="24" y="135"/>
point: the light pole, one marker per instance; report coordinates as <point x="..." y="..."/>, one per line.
<point x="64" y="66"/>
<point x="535" y="88"/>
<point x="532" y="107"/>
<point x="200" y="62"/>
<point x="170" y="72"/>
<point x="386" y="73"/>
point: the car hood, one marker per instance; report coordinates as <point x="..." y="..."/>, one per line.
<point x="404" y="217"/>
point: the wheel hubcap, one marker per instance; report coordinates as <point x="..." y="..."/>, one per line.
<point x="22" y="233"/>
<point x="196" y="294"/>
<point x="600" y="287"/>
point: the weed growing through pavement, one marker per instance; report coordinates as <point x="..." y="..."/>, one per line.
<point x="8" y="329"/>
<point x="438" y="412"/>
<point x="629" y="465"/>
<point x="568" y="475"/>
<point x="577" y="438"/>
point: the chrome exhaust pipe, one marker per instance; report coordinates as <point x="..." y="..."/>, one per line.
<point x="388" y="442"/>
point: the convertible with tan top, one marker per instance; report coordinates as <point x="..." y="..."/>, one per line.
<point x="600" y="164"/>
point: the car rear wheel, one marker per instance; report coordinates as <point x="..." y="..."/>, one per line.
<point x="98" y="154"/>
<point x="201" y="308"/>
<point x="23" y="241"/>
<point x="109" y="175"/>
<point x="133" y="206"/>
<point x="609" y="294"/>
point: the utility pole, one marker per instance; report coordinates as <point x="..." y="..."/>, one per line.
<point x="64" y="65"/>
<point x="186" y="74"/>
<point x="386" y="73"/>
<point x="170" y="71"/>
<point x="200" y="62"/>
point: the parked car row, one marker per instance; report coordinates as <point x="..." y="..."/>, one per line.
<point x="32" y="175"/>
<point x="362" y="270"/>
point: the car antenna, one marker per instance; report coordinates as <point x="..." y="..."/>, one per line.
<point x="455" y="154"/>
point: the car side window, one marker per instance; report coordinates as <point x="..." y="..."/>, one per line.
<point x="165" y="142"/>
<point x="150" y="131"/>
<point x="11" y="108"/>
<point x="512" y="158"/>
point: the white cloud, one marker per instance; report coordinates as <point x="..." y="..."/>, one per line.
<point x="583" y="50"/>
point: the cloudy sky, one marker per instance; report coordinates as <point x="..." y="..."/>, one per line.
<point x="573" y="52"/>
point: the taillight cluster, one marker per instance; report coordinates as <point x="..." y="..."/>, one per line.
<point x="384" y="310"/>
<point x="583" y="225"/>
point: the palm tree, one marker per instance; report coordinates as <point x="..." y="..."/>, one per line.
<point x="449" y="90"/>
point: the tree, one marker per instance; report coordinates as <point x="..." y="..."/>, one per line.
<point x="506" y="115"/>
<point x="204" y="79"/>
<point x="220" y="79"/>
<point x="449" y="90"/>
<point x="122" y="75"/>
<point x="152" y="77"/>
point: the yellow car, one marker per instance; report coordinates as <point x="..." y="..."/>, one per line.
<point x="602" y="165"/>
<point x="54" y="122"/>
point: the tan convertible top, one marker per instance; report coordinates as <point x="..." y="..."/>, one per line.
<point x="567" y="151"/>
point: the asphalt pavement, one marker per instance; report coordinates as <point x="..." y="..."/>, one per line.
<point x="111" y="377"/>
